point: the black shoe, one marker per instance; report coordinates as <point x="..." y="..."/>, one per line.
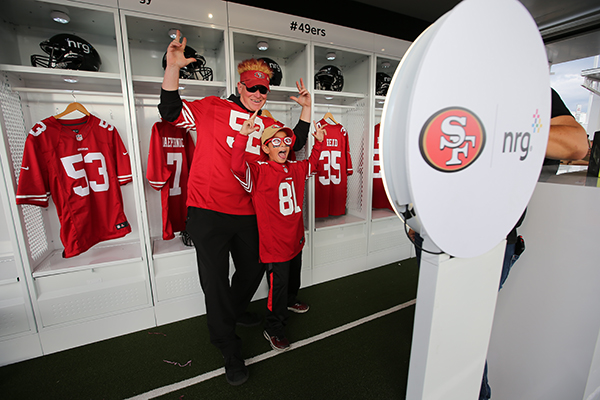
<point x="236" y="371"/>
<point x="249" y="319"/>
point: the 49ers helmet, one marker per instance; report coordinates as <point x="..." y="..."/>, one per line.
<point x="382" y="83"/>
<point x="194" y="70"/>
<point x="67" y="51"/>
<point x="277" y="74"/>
<point x="329" y="77"/>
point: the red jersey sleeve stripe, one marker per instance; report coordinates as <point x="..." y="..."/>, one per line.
<point x="247" y="183"/>
<point x="189" y="121"/>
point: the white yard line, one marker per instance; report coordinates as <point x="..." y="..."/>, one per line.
<point x="296" y="345"/>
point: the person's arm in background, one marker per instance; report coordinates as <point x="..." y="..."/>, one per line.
<point x="567" y="139"/>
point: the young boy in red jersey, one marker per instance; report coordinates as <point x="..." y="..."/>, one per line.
<point x="277" y="190"/>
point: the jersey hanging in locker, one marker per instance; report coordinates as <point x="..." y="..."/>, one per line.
<point x="332" y="174"/>
<point x="81" y="163"/>
<point x="169" y="161"/>
<point x="380" y="199"/>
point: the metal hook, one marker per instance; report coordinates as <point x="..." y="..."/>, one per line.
<point x="73" y="94"/>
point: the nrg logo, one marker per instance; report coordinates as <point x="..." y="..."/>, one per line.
<point x="521" y="140"/>
<point x="78" y="45"/>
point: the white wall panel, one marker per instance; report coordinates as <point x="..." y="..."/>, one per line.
<point x="204" y="12"/>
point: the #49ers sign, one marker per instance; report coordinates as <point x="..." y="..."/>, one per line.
<point x="465" y="126"/>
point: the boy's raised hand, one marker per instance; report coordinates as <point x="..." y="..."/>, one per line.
<point x="319" y="133"/>
<point x="249" y="126"/>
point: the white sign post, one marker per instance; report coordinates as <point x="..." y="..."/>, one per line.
<point x="464" y="133"/>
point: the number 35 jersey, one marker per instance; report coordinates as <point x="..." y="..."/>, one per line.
<point x="332" y="175"/>
<point x="81" y="163"/>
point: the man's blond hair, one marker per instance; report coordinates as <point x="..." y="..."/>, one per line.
<point x="255" y="65"/>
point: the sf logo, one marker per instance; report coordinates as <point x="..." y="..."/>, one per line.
<point x="452" y="139"/>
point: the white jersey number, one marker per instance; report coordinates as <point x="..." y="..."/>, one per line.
<point x="69" y="166"/>
<point x="236" y="119"/>
<point x="331" y="167"/>
<point x="287" y="199"/>
<point x="177" y="160"/>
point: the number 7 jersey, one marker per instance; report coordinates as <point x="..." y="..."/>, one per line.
<point x="81" y="163"/>
<point x="169" y="160"/>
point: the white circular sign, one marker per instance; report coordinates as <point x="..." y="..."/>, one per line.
<point x="465" y="125"/>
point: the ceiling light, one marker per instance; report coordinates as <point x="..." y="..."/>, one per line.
<point x="262" y="45"/>
<point x="385" y="64"/>
<point x="210" y="16"/>
<point x="173" y="33"/>
<point x="71" y="80"/>
<point x="181" y="87"/>
<point x="60" y="17"/>
<point x="328" y="97"/>
<point x="330" y="56"/>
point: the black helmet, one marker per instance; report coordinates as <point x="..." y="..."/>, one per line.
<point x="382" y="83"/>
<point x="277" y="74"/>
<point x="329" y="78"/>
<point x="67" y="51"/>
<point x="194" y="70"/>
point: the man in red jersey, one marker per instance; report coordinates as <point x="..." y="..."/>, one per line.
<point x="221" y="218"/>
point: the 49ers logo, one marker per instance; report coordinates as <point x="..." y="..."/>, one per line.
<point x="452" y="139"/>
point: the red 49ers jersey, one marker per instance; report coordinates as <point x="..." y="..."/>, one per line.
<point x="380" y="199"/>
<point x="80" y="163"/>
<point x="332" y="175"/>
<point x="169" y="160"/>
<point x="211" y="184"/>
<point x="277" y="192"/>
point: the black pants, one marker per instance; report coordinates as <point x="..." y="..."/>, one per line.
<point x="294" y="279"/>
<point x="215" y="236"/>
<point x="278" y="275"/>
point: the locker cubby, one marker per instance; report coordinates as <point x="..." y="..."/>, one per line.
<point x="350" y="108"/>
<point x="291" y="56"/>
<point x="387" y="66"/>
<point x="147" y="39"/>
<point x="30" y="94"/>
<point x="147" y="42"/>
<point x="16" y="314"/>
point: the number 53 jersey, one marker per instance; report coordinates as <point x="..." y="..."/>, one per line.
<point x="81" y="163"/>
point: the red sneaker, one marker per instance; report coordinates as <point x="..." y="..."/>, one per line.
<point x="279" y="343"/>
<point x="299" y="307"/>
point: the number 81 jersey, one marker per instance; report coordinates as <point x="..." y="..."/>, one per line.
<point x="81" y="163"/>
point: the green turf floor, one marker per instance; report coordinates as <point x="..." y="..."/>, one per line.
<point x="368" y="361"/>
